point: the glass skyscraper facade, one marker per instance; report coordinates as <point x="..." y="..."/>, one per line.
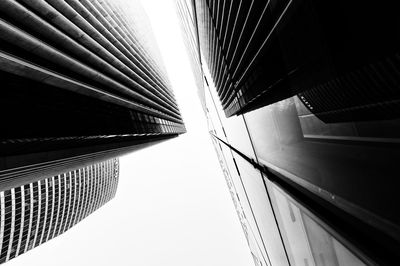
<point x="36" y="212"/>
<point x="303" y="113"/>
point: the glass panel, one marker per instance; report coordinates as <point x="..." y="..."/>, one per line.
<point x="253" y="240"/>
<point x="238" y="136"/>
<point x="345" y="257"/>
<point x="307" y="241"/>
<point x="334" y="157"/>
<point x="259" y="212"/>
<point x="234" y="127"/>
<point x="213" y="120"/>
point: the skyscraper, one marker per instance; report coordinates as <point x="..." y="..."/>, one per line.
<point x="38" y="211"/>
<point x="82" y="82"/>
<point x="303" y="112"/>
<point x="295" y="40"/>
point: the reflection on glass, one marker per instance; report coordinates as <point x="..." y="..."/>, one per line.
<point x="378" y="131"/>
<point x="306" y="241"/>
<point x="344" y="159"/>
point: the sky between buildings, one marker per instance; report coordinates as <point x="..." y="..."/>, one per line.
<point x="172" y="205"/>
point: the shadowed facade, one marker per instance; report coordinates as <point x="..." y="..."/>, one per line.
<point x="82" y="84"/>
<point x="82" y="81"/>
<point x="302" y="101"/>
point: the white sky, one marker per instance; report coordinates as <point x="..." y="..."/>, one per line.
<point x="172" y="205"/>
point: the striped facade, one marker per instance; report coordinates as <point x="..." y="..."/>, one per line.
<point x="74" y="45"/>
<point x="302" y="103"/>
<point x="36" y="212"/>
<point x="262" y="52"/>
<point x="82" y="81"/>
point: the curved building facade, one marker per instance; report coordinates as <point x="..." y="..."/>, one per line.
<point x="82" y="81"/>
<point x="36" y="212"/>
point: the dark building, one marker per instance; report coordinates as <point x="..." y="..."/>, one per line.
<point x="82" y="81"/>
<point x="305" y="119"/>
<point x="342" y="69"/>
<point x="33" y="213"/>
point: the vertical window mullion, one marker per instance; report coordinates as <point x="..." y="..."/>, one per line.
<point x="12" y="223"/>
<point x="22" y="220"/>
<point x="2" y="218"/>
<point x="30" y="218"/>
<point x="38" y="213"/>
<point x="53" y="202"/>
<point x="58" y="207"/>
<point x="46" y="209"/>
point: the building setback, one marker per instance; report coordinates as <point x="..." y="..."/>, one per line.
<point x="82" y="81"/>
<point x="302" y="100"/>
<point x="36" y="212"/>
